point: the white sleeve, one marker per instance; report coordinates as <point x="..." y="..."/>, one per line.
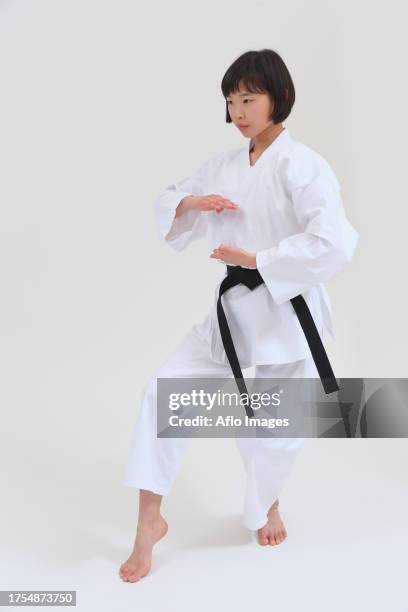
<point x="178" y="232"/>
<point x="326" y="244"/>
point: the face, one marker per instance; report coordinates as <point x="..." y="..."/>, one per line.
<point x="251" y="110"/>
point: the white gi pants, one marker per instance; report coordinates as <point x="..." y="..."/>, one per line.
<point x="153" y="462"/>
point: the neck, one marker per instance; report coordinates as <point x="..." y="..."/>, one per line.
<point x="266" y="137"/>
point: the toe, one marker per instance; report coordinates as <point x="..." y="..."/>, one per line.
<point x="131" y="576"/>
<point x="123" y="571"/>
<point x="283" y="535"/>
<point x="262" y="538"/>
<point x="127" y="571"/>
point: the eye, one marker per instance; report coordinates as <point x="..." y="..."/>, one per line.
<point x="246" y="100"/>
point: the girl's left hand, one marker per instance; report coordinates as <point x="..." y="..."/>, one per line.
<point x="234" y="256"/>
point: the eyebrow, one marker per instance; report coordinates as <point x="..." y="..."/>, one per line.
<point x="245" y="93"/>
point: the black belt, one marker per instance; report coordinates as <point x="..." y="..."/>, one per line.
<point x="251" y="278"/>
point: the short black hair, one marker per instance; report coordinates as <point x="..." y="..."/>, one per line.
<point x="262" y="71"/>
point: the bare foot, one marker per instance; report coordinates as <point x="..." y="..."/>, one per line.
<point x="139" y="563"/>
<point x="274" y="531"/>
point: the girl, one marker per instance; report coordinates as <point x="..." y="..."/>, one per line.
<point x="273" y="207"/>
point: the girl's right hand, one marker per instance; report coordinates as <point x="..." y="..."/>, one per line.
<point x="212" y="202"/>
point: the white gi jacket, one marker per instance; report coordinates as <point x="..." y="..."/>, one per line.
<point x="291" y="214"/>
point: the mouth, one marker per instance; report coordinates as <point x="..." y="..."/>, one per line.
<point x="242" y="127"/>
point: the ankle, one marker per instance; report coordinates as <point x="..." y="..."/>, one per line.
<point x="149" y="520"/>
<point x="274" y="506"/>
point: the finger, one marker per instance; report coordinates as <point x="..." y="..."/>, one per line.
<point x="214" y="206"/>
<point x="221" y="201"/>
<point x="228" y="204"/>
<point x="210" y="202"/>
<point x="220" y="206"/>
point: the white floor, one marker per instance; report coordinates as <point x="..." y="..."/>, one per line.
<point x="68" y="523"/>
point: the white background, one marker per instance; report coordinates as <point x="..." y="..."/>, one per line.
<point x="103" y="104"/>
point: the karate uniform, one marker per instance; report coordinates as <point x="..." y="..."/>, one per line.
<point x="291" y="214"/>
